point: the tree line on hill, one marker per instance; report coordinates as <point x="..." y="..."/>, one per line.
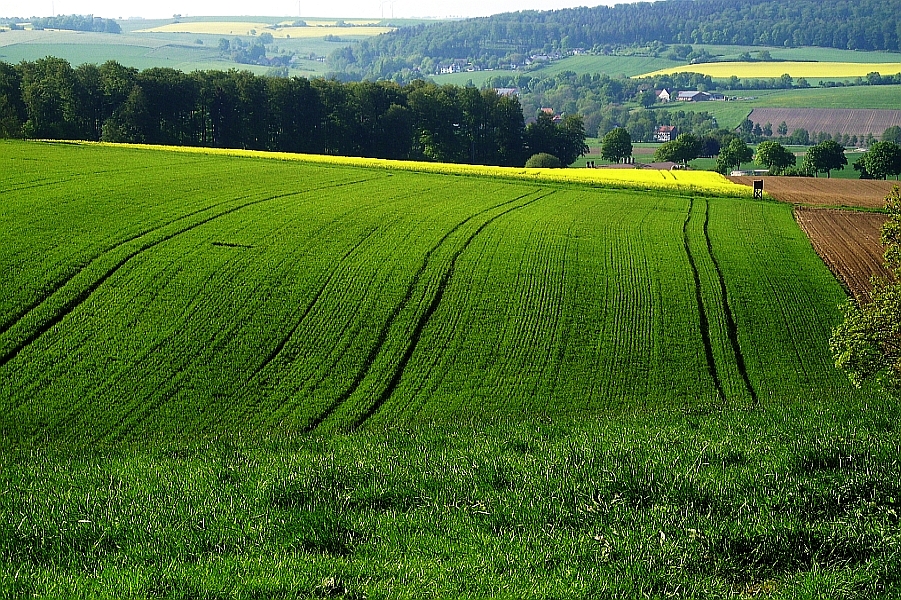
<point x="508" y="39"/>
<point x="71" y="23"/>
<point x="47" y="98"/>
<point x="882" y="160"/>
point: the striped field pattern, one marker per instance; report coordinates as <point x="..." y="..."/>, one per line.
<point x="171" y="294"/>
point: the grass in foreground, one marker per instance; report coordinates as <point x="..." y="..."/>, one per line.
<point x="799" y="501"/>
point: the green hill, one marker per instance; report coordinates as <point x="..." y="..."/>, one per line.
<point x="256" y="295"/>
<point x="550" y="390"/>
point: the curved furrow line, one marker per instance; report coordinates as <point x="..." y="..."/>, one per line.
<point x="21" y="314"/>
<point x="55" y="182"/>
<point x="731" y="327"/>
<point x="277" y="350"/>
<point x="392" y="318"/>
<point x="427" y="315"/>
<point x="71" y="304"/>
<point x="312" y="381"/>
<point x="702" y="311"/>
<point x="63" y="282"/>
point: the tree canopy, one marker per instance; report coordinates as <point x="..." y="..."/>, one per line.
<point x="867" y="344"/>
<point x="616" y="145"/>
<point x="825" y="157"/>
<point x="735" y="153"/>
<point x="512" y="37"/>
<point x="774" y="156"/>
<point x="882" y="160"/>
<point x="684" y="148"/>
<point x="48" y="98"/>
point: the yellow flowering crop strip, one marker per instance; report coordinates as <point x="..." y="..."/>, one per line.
<point x="812" y="70"/>
<point x="703" y="182"/>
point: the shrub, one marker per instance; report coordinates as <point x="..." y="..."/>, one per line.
<point x="543" y="160"/>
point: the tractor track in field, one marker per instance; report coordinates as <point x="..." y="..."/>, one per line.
<point x="421" y="322"/>
<point x="702" y="311"/>
<point x="731" y="327"/>
<point x="69" y="306"/>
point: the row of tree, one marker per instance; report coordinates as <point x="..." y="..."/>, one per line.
<point x="236" y="109"/>
<point x="881" y="161"/>
<point x="74" y="23"/>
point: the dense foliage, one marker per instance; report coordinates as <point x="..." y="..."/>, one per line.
<point x="236" y="109"/>
<point x="509" y="38"/>
<point x="774" y="156"/>
<point x="76" y="23"/>
<point x="867" y="344"/>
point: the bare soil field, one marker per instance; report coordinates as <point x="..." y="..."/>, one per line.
<point x="820" y="191"/>
<point x="851" y="121"/>
<point x="849" y="243"/>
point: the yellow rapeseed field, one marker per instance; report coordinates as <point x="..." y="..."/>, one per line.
<point x="809" y="70"/>
<point x="314" y="29"/>
<point x="684" y="181"/>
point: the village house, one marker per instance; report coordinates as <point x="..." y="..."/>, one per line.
<point x="665" y="133"/>
<point x="662" y="95"/>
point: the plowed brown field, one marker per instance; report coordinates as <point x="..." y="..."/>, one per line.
<point x="850" y="121"/>
<point x="821" y="191"/>
<point x="849" y="243"/>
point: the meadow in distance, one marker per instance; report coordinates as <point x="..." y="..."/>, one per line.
<point x="296" y="377"/>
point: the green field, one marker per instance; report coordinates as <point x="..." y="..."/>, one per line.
<point x="730" y="114"/>
<point x="173" y="50"/>
<point x="247" y="378"/>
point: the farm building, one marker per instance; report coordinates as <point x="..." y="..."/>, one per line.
<point x="512" y="91"/>
<point x="665" y="133"/>
<point x="662" y="95"/>
<point x="693" y="96"/>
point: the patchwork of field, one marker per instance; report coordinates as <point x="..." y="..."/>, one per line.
<point x="850" y="244"/>
<point x="286" y="296"/>
<point x="314" y="29"/>
<point x="807" y="70"/>
<point x="859" y="122"/>
<point x="824" y="192"/>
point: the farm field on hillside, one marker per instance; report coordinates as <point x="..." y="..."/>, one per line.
<point x="849" y="242"/>
<point x="822" y="191"/>
<point x="859" y="122"/>
<point x="731" y="114"/>
<point x="173" y="50"/>
<point x="260" y="376"/>
<point x="512" y="281"/>
<point x="807" y="70"/>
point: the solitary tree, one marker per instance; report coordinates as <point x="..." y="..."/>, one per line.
<point x="616" y="145"/>
<point x="824" y="157"/>
<point x="867" y="344"/>
<point x="774" y="156"/>
<point x="883" y="160"/>
<point x="892" y="134"/>
<point x="684" y="148"/>
<point x="735" y="153"/>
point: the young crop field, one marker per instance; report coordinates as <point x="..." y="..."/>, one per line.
<point x="231" y="374"/>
